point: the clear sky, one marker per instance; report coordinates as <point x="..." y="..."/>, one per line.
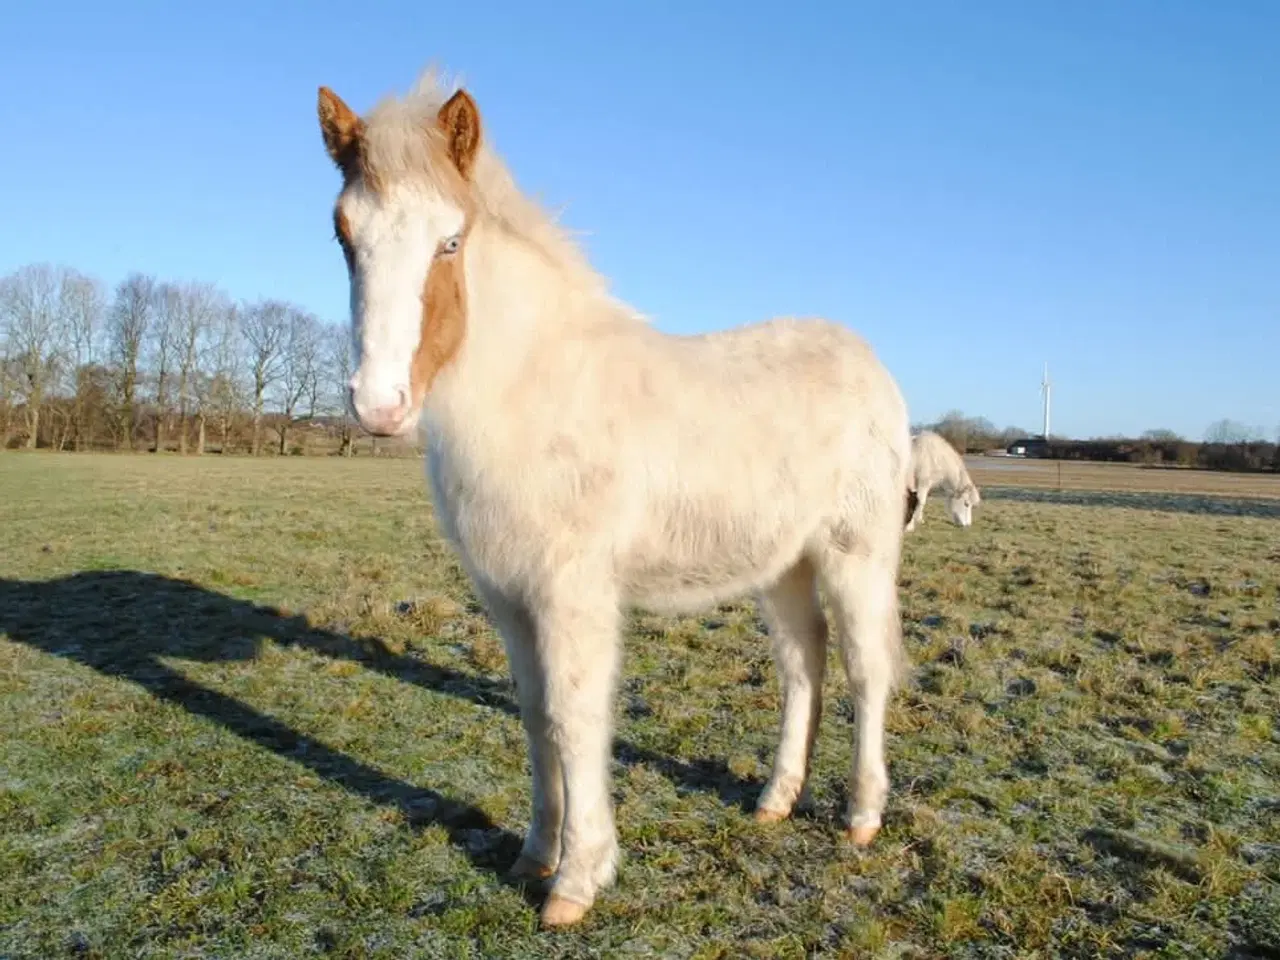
<point x="977" y="186"/>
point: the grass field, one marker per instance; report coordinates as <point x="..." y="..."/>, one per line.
<point x="250" y="709"/>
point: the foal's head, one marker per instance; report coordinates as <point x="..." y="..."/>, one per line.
<point x="402" y="218"/>
<point x="961" y="503"/>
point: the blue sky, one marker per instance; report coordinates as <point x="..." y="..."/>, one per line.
<point x="978" y="187"/>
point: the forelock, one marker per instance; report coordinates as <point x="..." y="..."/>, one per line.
<point x="402" y="142"/>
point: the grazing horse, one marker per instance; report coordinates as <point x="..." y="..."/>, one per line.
<point x="935" y="463"/>
<point x="581" y="461"/>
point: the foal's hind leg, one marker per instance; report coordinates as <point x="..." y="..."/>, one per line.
<point x="863" y="590"/>
<point x="799" y="631"/>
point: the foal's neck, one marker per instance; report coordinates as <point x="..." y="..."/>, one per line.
<point x="521" y="305"/>
<point x="528" y="296"/>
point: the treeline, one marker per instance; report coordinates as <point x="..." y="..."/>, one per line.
<point x="1243" y="456"/>
<point x="153" y="365"/>
<point x="1228" y="445"/>
<point x="972" y="434"/>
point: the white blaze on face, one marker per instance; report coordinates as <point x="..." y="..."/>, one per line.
<point x="394" y="236"/>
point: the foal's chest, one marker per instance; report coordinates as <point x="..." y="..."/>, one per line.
<point x="490" y="521"/>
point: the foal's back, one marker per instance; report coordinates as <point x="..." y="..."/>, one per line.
<point x="935" y="462"/>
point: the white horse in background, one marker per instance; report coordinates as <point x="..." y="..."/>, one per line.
<point x="936" y="463"/>
<point x="582" y="461"/>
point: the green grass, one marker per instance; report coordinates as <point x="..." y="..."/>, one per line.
<point x="251" y="709"/>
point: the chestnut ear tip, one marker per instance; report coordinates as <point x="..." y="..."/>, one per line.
<point x="462" y="98"/>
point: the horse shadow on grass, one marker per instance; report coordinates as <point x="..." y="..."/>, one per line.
<point x="121" y="623"/>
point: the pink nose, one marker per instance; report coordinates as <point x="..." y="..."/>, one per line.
<point x="386" y="420"/>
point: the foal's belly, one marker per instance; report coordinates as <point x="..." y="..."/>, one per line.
<point x="680" y="567"/>
<point x="664" y="554"/>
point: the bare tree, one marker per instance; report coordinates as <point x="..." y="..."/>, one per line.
<point x="200" y="302"/>
<point x="1229" y="432"/>
<point x="131" y="314"/>
<point x="34" y="332"/>
<point x="165" y="336"/>
<point x="219" y="392"/>
<point x="313" y="396"/>
<point x="339" y="367"/>
<point x="265" y="326"/>
<point x="9" y="391"/>
<point x="300" y="373"/>
<point x="85" y="304"/>
<point x="954" y="426"/>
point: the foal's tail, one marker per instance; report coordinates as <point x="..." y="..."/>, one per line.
<point x="913" y="500"/>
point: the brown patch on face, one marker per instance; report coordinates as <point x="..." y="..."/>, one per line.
<point x="342" y="130"/>
<point x="342" y="230"/>
<point x="444" y="295"/>
<point x="444" y="321"/>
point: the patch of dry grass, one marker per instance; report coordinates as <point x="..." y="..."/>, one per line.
<point x="252" y="709"/>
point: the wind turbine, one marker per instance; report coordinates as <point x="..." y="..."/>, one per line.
<point x="1044" y="392"/>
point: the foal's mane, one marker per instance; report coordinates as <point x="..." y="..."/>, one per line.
<point x="401" y="140"/>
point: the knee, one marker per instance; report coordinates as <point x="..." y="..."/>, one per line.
<point x="873" y="671"/>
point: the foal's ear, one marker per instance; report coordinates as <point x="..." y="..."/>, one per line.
<point x="459" y="121"/>
<point x="340" y="127"/>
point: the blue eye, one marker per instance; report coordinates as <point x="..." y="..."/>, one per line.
<point x="451" y="245"/>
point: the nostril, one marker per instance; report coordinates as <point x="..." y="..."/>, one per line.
<point x="404" y="397"/>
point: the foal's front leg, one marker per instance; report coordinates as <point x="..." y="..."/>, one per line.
<point x="541" y="851"/>
<point x="917" y="516"/>
<point x="578" y="647"/>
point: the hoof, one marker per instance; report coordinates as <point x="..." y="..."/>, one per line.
<point x="559" y="912"/>
<point x="526" y="868"/>
<point x="863" y="835"/>
<point x="765" y="815"/>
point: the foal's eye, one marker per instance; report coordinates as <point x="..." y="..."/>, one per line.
<point x="451" y="245"/>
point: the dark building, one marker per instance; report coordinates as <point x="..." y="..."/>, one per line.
<point x="1029" y="447"/>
